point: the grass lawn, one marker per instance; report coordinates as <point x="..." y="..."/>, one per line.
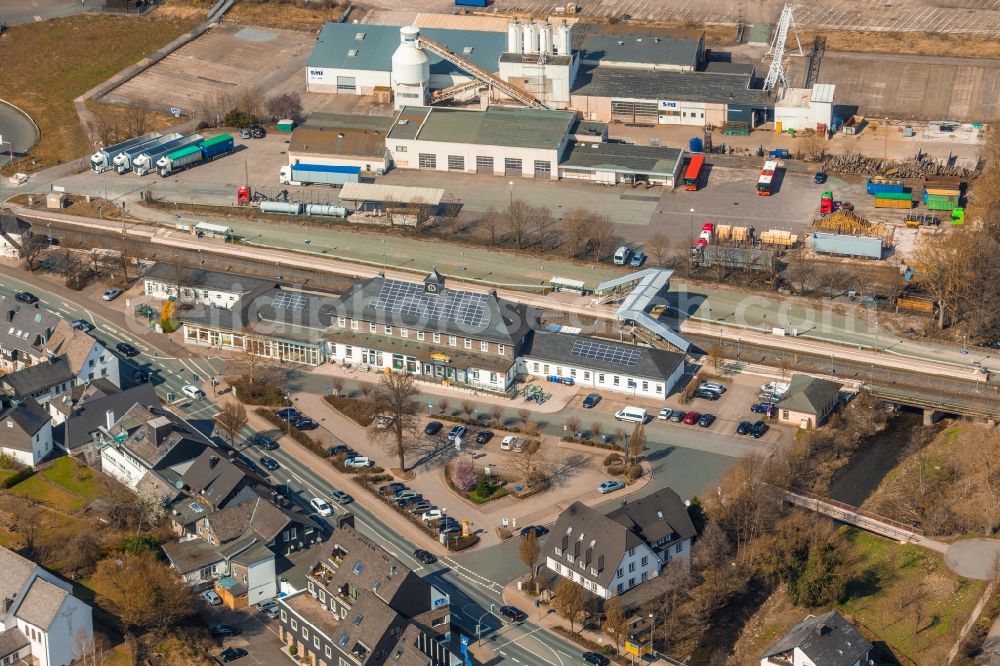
<point x="79" y="52"/>
<point x="49" y="494"/>
<point x="7" y="473"/>
<point x="74" y="476"/>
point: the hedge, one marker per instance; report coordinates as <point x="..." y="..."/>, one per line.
<point x="359" y="410"/>
<point x="18" y="477"/>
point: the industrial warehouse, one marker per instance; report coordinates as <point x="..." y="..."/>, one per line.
<point x="604" y="72"/>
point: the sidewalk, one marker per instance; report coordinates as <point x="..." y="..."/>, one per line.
<point x="546" y="617"/>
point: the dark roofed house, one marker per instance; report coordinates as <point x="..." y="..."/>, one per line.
<point x="24" y="330"/>
<point x="365" y="606"/>
<point x="809" y="401"/>
<point x="819" y="640"/>
<point x="41" y="381"/>
<point x="84" y="409"/>
<point x="611" y="554"/>
<point x="26" y="433"/>
<point x="214" y="479"/>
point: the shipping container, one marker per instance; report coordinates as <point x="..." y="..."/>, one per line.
<point x="845" y="245"/>
<point x="904" y="204"/>
<point x="471" y="3"/>
<point x="895" y="195"/>
<point x="916" y="304"/>
<point x="318" y="174"/>
<point x="879" y="185"/>
<point x="285" y="125"/>
<point x="942" y="205"/>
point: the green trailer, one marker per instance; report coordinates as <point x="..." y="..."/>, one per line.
<point x="898" y="196"/>
<point x="942" y="204"/>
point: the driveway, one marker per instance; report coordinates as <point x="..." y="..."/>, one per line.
<point x="973" y="558"/>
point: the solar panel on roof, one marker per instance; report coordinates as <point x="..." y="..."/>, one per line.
<point x="462" y="307"/>
<point x="288" y="301"/>
<point x="605" y="352"/>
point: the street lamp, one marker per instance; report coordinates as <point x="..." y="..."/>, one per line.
<point x="692" y="226"/>
<point x="652" y="627"/>
<point x="511" y="184"/>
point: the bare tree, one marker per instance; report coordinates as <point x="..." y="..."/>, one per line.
<point x="136" y="120"/>
<point x="443" y="406"/>
<point x="526" y="464"/>
<point x="569" y="601"/>
<point x="232" y="418"/>
<point x="595" y="429"/>
<point x="31" y="247"/>
<point x="106" y="126"/>
<point x="947" y="271"/>
<point x="615" y="625"/>
<point x="543" y="221"/>
<point x="28" y="522"/>
<point x="395" y="399"/>
<point x="160" y="601"/>
<point x="285" y="105"/>
<point x="716" y="356"/>
<point x="468" y="408"/>
<point x="576" y="231"/>
<point x="451" y="212"/>
<point x="496" y="413"/>
<point x="812" y="146"/>
<point x="524" y="416"/>
<point x="800" y="272"/>
<point x="529" y="551"/>
<point x="518" y="221"/>
<point x="658" y="247"/>
<point x="573" y="425"/>
<point x="491" y="222"/>
<point x="91" y="650"/>
<point x="602" y="235"/>
<point x="637" y="443"/>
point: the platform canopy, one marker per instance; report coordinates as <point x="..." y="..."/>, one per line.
<point x="391" y="194"/>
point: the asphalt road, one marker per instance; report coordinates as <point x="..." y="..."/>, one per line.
<point x="472" y="594"/>
<point x="16" y="12"/>
<point x="18" y="132"/>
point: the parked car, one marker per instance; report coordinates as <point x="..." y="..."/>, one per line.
<point x="677" y="416"/>
<point x="778" y="388"/>
<point x="303" y="423"/>
<point x="762" y="408"/>
<point x="434" y="514"/>
<point x="321" y="506"/>
<point x="111" y="294"/>
<point x="638" y="259"/>
<point x="258" y="132"/>
<point x="26" y="297"/>
<point x="595" y="658"/>
<point x="819" y="178"/>
<point x="743" y="428"/>
<point x="267" y="603"/>
<point x="269" y="463"/>
<point x="508" y="442"/>
<point x="407" y="501"/>
<point x="81" y="325"/>
<point x="456" y="432"/>
<point x="705" y="394"/>
<point x="691" y="418"/>
<point x="758" y="429"/>
<point x="263" y="441"/>
<point x="424" y="557"/>
<point x="287" y="413"/>
<point x="484" y="436"/>
<point x="610" y="486"/>
<point x="244" y="133"/>
<point x="665" y="413"/>
<point x="359" y="462"/>
<point x="591" y="400"/>
<point x="537" y="529"/>
<point x="271" y="611"/>
<point x="211" y="597"/>
<point x="433" y="427"/>
<point x="126" y="350"/>
<point x="449" y="528"/>
<point x="224" y="630"/>
<point x="420" y="507"/>
<point x="706" y="420"/>
<point x="340" y="497"/>
<point x="231" y="654"/>
<point x="712" y="386"/>
<point x="340" y="449"/>
<point x="406" y="493"/>
<point x="391" y="488"/>
<point x="512" y="614"/>
<point x="384" y="422"/>
<point x="192" y="392"/>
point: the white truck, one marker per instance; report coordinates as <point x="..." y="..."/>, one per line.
<point x="123" y="160"/>
<point x="146" y="161"/>
<point x="102" y="160"/>
<point x="318" y="174"/>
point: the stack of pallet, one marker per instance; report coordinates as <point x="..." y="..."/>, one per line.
<point x="778" y="237"/>
<point x="942" y="192"/>
<point x="726" y="232"/>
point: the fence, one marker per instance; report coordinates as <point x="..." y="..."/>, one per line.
<point x="852" y="514"/>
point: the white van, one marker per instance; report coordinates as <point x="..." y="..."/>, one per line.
<point x="621" y="255"/>
<point x="632" y="414"/>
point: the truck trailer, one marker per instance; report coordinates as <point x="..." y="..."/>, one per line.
<point x="879" y="185"/>
<point x="123" y="160"/>
<point x="203" y="151"/>
<point x="884" y="202"/>
<point x="103" y="159"/>
<point x="146" y="162"/>
<point x="318" y="174"/>
<point x="471" y="3"/>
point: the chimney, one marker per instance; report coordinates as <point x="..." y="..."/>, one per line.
<point x="10" y="315"/>
<point x="109" y="418"/>
<point x="213" y="461"/>
<point x="7" y="603"/>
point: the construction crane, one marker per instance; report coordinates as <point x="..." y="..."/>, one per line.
<point x="776" y="74"/>
<point x="489" y="79"/>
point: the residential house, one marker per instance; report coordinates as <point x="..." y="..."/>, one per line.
<point x="363" y="606"/>
<point x="80" y="413"/>
<point x="88" y="359"/>
<point x="611" y="554"/>
<point x="24" y="330"/>
<point x="25" y="433"/>
<point x="149" y="446"/>
<point x="216" y="481"/>
<point x="14" y="233"/>
<point x="192" y="285"/>
<point x="41" y="622"/>
<point x="819" y="640"/>
<point x="236" y="548"/>
<point x="808" y="402"/>
<point x="42" y="381"/>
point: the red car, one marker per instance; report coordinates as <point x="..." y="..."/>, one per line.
<point x="692" y="418"/>
<point x="708" y="226"/>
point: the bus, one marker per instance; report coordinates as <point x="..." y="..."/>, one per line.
<point x="693" y="173"/>
<point x="766" y="181"/>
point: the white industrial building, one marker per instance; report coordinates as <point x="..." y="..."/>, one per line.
<point x="607" y="73"/>
<point x="334" y="139"/>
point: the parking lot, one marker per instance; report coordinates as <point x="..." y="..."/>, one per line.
<point x="258" y="635"/>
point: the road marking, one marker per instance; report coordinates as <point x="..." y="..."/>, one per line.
<point x="473" y="577"/>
